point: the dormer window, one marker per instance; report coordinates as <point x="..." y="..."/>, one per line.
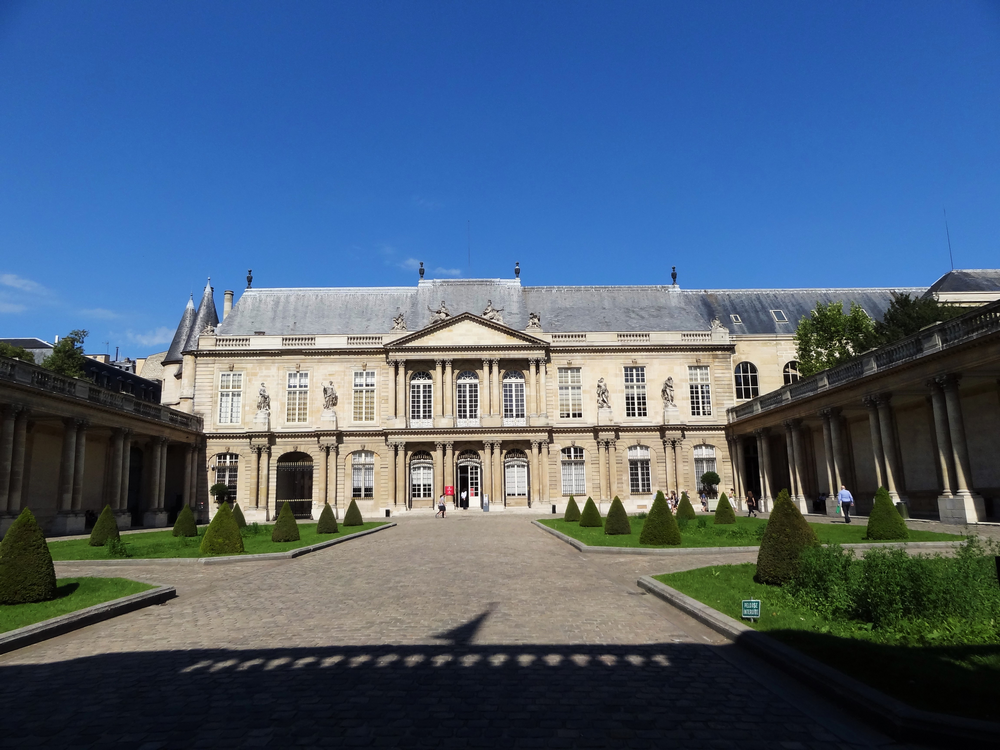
<point x="736" y="319"/>
<point x="779" y="316"/>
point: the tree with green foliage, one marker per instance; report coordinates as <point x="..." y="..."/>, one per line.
<point x="710" y="480"/>
<point x="617" y="522"/>
<point x="286" y="529"/>
<point x="685" y="509"/>
<point x="67" y="356"/>
<point x="885" y="522"/>
<point x="220" y="491"/>
<point x="105" y="529"/>
<point x="591" y="516"/>
<point x="26" y="570"/>
<point x="785" y="536"/>
<point x="829" y="336"/>
<point x="724" y="512"/>
<point x="185" y="524"/>
<point x="660" y="526"/>
<point x="906" y="315"/>
<point x="572" y="510"/>
<point x="16" y="352"/>
<point x="222" y="537"/>
<point x="327" y="523"/>
<point x="353" y="516"/>
<point x="240" y="519"/>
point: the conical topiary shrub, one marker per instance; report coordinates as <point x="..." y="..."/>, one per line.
<point x="572" y="510"/>
<point x="285" y="527"/>
<point x="884" y="522"/>
<point x="185" y="524"/>
<point x="327" y="523"/>
<point x="105" y="529"/>
<point x="591" y="516"/>
<point x="785" y="536"/>
<point x="660" y="526"/>
<point x="617" y="521"/>
<point x="222" y="537"/>
<point x="353" y="516"/>
<point x="684" y="508"/>
<point x="724" y="512"/>
<point x="238" y="516"/>
<point x="26" y="570"/>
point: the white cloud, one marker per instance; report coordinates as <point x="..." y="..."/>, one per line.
<point x="100" y="313"/>
<point x="448" y="271"/>
<point x="410" y="264"/>
<point x="161" y="335"/>
<point x="9" y="307"/>
<point x="19" y="282"/>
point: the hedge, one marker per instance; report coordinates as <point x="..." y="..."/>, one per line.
<point x="222" y="537"/>
<point x="617" y="520"/>
<point x="327" y="523"/>
<point x="240" y="519"/>
<point x="885" y="522"/>
<point x="285" y="527"/>
<point x="185" y="525"/>
<point x="685" y="509"/>
<point x="572" y="510"/>
<point x="591" y="516"/>
<point x="785" y="537"/>
<point x="661" y="526"/>
<point x="105" y="529"/>
<point x="353" y="516"/>
<point x="724" y="512"/>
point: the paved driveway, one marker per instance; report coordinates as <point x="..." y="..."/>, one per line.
<point x="473" y="631"/>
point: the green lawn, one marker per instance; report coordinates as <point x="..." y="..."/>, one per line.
<point x="744" y="533"/>
<point x="959" y="680"/>
<point x="164" y="544"/>
<point x="71" y="594"/>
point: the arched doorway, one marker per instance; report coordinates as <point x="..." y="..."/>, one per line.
<point x="469" y="472"/>
<point x="421" y="480"/>
<point x="515" y="470"/>
<point x="294" y="483"/>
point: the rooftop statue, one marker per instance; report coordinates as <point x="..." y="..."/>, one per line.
<point x="398" y="324"/>
<point x="493" y="313"/>
<point x="534" y="322"/>
<point x="442" y="312"/>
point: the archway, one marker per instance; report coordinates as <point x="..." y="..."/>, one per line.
<point x="294" y="483"/>
<point x="515" y="471"/>
<point x="421" y="480"/>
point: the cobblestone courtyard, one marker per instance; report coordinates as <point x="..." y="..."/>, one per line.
<point x="474" y="631"/>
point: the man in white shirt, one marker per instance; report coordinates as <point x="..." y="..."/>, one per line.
<point x="846" y="502"/>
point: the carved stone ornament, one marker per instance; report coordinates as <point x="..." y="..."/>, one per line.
<point x="603" y="396"/>
<point x="667" y="393"/>
<point x="263" y="400"/>
<point x="493" y="313"/>
<point x="329" y="396"/>
<point x="441" y="313"/>
<point x="398" y="323"/>
<point x="534" y="322"/>
<point x="208" y="330"/>
<point x="717" y="324"/>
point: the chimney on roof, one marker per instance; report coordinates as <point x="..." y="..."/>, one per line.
<point x="227" y="303"/>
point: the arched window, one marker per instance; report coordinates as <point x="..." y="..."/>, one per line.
<point x="421" y="400"/>
<point x="226" y="472"/>
<point x="513" y="399"/>
<point x="515" y="465"/>
<point x="638" y="470"/>
<point x="746" y="381"/>
<point x="363" y="475"/>
<point x="421" y="476"/>
<point x="704" y="460"/>
<point x="791" y="372"/>
<point x="467" y="401"/>
<point x="573" y="480"/>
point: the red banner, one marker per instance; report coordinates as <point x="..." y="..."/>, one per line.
<point x="449" y="490"/>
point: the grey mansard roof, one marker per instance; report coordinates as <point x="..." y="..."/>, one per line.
<point x="562" y="308"/>
<point x="181" y="335"/>
<point x="968" y="280"/>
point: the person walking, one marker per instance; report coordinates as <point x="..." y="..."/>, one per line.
<point x="441" y="507"/>
<point x="846" y="500"/>
<point x="751" y="505"/>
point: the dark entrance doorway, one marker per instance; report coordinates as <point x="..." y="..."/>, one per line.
<point x="751" y="472"/>
<point x="294" y="484"/>
<point x="469" y="480"/>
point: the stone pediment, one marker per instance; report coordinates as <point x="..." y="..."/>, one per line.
<point x="467" y="331"/>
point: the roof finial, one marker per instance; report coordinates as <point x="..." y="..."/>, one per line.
<point x="517" y="269"/>
<point x="673" y="274"/>
<point x="249" y="277"/>
<point x="421" y="270"/>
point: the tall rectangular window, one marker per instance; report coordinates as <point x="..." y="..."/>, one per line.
<point x="297" y="397"/>
<point x="573" y="480"/>
<point x="701" y="391"/>
<point x="570" y="393"/>
<point x="635" y="391"/>
<point x="364" y="396"/>
<point x="638" y="470"/>
<point x="230" y="397"/>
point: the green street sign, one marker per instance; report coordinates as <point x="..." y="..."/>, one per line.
<point x="751" y="609"/>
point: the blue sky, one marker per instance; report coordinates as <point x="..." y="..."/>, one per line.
<point x="146" y="146"/>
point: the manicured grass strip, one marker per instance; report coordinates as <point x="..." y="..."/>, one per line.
<point x="744" y="533"/>
<point x="957" y="680"/>
<point x="163" y="544"/>
<point x="72" y="594"/>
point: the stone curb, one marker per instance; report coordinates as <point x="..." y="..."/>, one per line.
<point x="888" y="714"/>
<point x="41" y="631"/>
<point x="577" y="544"/>
<point x="263" y="557"/>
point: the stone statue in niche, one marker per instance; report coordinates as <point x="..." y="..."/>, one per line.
<point x="398" y="324"/>
<point x="263" y="400"/>
<point x="534" y="322"/>
<point x="668" y="392"/>
<point x="442" y="312"/>
<point x="329" y="396"/>
<point x="493" y="313"/>
<point x="603" y="396"/>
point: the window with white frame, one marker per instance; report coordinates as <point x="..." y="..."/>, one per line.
<point x="516" y="473"/>
<point x="704" y="461"/>
<point x="421" y="399"/>
<point x="364" y="396"/>
<point x="421" y="476"/>
<point x="297" y="397"/>
<point x="790" y="373"/>
<point x="745" y="378"/>
<point x="227" y="472"/>
<point x="700" y="390"/>
<point x="467" y="399"/>
<point x="638" y="470"/>
<point x="635" y="391"/>
<point x="570" y="393"/>
<point x="573" y="480"/>
<point x="230" y="397"/>
<point x="363" y="475"/>
<point x="513" y="398"/>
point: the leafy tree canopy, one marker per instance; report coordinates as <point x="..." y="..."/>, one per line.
<point x="906" y="315"/>
<point x="16" y="352"/>
<point x="829" y="336"/>
<point x="67" y="356"/>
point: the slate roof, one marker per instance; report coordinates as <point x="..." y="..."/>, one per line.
<point x="207" y="315"/>
<point x="360" y="310"/>
<point x="968" y="280"/>
<point x="28" y="343"/>
<point x="179" y="341"/>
